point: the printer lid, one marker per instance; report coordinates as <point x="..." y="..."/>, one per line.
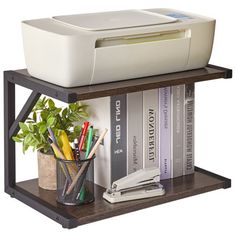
<point x="115" y="20"/>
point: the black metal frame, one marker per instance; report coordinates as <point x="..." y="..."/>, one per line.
<point x="11" y="127"/>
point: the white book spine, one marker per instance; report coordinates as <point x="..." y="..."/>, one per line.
<point x="150" y="128"/>
<point x="99" y="110"/>
<point x="188" y="162"/>
<point x="165" y="132"/>
<point x="134" y="132"/>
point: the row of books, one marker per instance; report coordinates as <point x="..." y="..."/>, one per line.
<point x="149" y="128"/>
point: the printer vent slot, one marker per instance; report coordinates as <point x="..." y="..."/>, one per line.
<point x="142" y="38"/>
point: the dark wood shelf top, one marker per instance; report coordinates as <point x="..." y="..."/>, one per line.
<point x="72" y="216"/>
<point x="69" y="95"/>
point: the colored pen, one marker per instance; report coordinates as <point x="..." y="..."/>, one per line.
<point x="84" y="165"/>
<point x="89" y="143"/>
<point x="52" y="136"/>
<point x="59" y="154"/>
<point x="66" y="148"/>
<point x="76" y="151"/>
<point x="81" y="131"/>
<point x="86" y="124"/>
<point x="92" y="152"/>
<point x="81" y="194"/>
<point x="56" y="150"/>
<point x="73" y="150"/>
<point x="95" y="138"/>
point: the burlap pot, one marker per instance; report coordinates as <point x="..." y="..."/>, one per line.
<point x="46" y="171"/>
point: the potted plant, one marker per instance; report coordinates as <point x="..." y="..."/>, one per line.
<point x="34" y="133"/>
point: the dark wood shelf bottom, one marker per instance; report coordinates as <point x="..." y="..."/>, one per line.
<point x="71" y="216"/>
<point x="69" y="95"/>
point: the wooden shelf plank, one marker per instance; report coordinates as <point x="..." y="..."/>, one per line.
<point x="72" y="216"/>
<point x="21" y="77"/>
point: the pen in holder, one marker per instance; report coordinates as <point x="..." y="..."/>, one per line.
<point x="82" y="192"/>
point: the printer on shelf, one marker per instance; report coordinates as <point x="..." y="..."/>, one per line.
<point x="86" y="49"/>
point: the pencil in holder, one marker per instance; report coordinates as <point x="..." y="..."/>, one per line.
<point x="67" y="171"/>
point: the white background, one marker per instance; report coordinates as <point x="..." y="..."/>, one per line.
<point x="210" y="213"/>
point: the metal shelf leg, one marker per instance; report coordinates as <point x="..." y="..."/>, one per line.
<point x="11" y="128"/>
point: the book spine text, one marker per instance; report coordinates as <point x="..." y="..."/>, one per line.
<point x="134" y="132"/>
<point x="189" y="130"/>
<point x="118" y="129"/>
<point x="165" y="132"/>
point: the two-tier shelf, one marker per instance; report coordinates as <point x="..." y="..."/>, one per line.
<point x="71" y="216"/>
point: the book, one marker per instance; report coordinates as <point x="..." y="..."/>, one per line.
<point x="177" y="130"/>
<point x="150" y="128"/>
<point x="110" y="163"/>
<point x="134" y="132"/>
<point x="99" y="117"/>
<point x="118" y="116"/>
<point x="188" y="162"/>
<point x="165" y="131"/>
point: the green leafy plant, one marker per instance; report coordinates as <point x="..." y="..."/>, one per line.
<point x="34" y="131"/>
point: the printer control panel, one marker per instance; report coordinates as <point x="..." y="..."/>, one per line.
<point x="179" y="16"/>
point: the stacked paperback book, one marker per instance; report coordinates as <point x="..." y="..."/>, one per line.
<point x="149" y="128"/>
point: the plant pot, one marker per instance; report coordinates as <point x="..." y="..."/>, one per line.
<point x="46" y="171"/>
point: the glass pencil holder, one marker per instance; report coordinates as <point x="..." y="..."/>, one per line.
<point x="75" y="180"/>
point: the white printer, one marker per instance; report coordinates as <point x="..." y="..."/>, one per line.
<point x="86" y="49"/>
